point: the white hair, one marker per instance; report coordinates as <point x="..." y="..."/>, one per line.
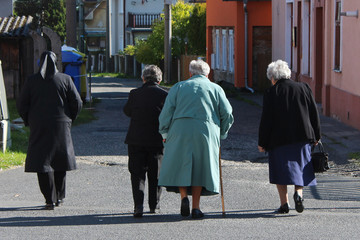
<point x="152" y="73"/>
<point x="199" y="67"/>
<point x="278" y="70"/>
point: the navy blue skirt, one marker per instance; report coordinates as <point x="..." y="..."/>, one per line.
<point x="291" y="165"/>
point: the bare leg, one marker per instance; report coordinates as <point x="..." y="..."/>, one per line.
<point x="299" y="190"/>
<point x="196" y="193"/>
<point x="283" y="194"/>
<point x="183" y="192"/>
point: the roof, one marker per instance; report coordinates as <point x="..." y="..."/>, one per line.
<point x="15" y="26"/>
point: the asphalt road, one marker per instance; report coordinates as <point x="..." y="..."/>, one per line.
<point x="99" y="204"/>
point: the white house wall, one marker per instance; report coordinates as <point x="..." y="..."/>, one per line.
<point x="279" y="20"/>
<point x="116" y="26"/>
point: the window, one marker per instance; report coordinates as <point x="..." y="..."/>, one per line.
<point x="224" y="49"/>
<point x="217" y="49"/>
<point x="337" y="35"/>
<point x="231" y="50"/>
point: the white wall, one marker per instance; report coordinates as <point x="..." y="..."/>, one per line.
<point x="116" y="26"/>
<point x="278" y="30"/>
<point x="6" y="8"/>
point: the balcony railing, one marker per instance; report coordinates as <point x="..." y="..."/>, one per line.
<point x="142" y="20"/>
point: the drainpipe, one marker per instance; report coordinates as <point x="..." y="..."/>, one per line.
<point x="246" y="47"/>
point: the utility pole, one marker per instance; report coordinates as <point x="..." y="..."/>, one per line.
<point x="70" y="23"/>
<point x="167" y="41"/>
<point x="108" y="39"/>
<point x="81" y="42"/>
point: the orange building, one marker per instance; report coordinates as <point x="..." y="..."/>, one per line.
<point x="238" y="41"/>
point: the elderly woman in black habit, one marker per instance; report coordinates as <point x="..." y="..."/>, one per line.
<point x="289" y="126"/>
<point x="48" y="104"/>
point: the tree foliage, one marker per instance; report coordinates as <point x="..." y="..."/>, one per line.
<point x="184" y="32"/>
<point x="197" y="30"/>
<point x="49" y="13"/>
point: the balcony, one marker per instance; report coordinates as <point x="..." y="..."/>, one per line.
<point x="142" y="20"/>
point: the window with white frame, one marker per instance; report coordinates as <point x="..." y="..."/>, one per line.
<point x="231" y="51"/>
<point x="224" y="49"/>
<point x="217" y="49"/>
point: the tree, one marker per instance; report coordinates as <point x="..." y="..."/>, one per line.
<point x="49" y="13"/>
<point x="55" y="16"/>
<point x="197" y="30"/>
<point x="29" y="8"/>
<point x="184" y="31"/>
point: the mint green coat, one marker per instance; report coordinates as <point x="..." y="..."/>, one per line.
<point x="195" y="116"/>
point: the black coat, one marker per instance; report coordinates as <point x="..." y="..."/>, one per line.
<point x="48" y="106"/>
<point x="143" y="107"/>
<point x="289" y="115"/>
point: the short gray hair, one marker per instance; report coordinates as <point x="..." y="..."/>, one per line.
<point x="278" y="70"/>
<point x="152" y="73"/>
<point x="199" y="67"/>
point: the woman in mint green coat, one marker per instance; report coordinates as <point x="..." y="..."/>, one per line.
<point x="196" y="115"/>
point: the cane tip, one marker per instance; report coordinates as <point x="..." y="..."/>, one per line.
<point x="223" y="214"/>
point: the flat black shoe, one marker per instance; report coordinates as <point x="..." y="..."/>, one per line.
<point x="283" y="209"/>
<point x="155" y="210"/>
<point x="299" y="207"/>
<point x="196" y="213"/>
<point x="49" y="206"/>
<point x="185" y="207"/>
<point x="59" y="202"/>
<point x="138" y="212"/>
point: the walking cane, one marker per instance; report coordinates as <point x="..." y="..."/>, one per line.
<point x="221" y="185"/>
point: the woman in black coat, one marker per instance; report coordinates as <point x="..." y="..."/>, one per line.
<point x="48" y="104"/>
<point x="145" y="144"/>
<point x="289" y="125"/>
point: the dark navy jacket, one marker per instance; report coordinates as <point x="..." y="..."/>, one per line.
<point x="289" y="115"/>
<point x="143" y="107"/>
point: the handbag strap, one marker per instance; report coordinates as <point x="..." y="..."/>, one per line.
<point x="320" y="146"/>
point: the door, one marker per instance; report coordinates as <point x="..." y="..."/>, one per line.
<point x="261" y="57"/>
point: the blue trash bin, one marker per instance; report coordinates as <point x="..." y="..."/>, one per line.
<point x="71" y="65"/>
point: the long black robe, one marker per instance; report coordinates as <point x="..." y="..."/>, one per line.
<point x="48" y="104"/>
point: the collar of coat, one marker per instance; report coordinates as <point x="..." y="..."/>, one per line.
<point x="150" y="83"/>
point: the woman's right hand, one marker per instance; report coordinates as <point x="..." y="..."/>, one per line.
<point x="261" y="149"/>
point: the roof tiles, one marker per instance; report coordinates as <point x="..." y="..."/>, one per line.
<point x="15" y="26"/>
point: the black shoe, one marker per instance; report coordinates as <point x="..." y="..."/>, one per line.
<point x="138" y="212"/>
<point x="283" y="209"/>
<point x="196" y="213"/>
<point x="59" y="202"/>
<point x="154" y="210"/>
<point x="185" y="207"/>
<point x="299" y="207"/>
<point x="49" y="206"/>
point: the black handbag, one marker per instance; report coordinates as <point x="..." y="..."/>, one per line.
<point x="320" y="159"/>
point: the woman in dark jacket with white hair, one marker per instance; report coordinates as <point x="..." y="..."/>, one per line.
<point x="289" y="126"/>
<point x="48" y="104"/>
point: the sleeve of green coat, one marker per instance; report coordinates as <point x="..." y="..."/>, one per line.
<point x="167" y="112"/>
<point x="226" y="117"/>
